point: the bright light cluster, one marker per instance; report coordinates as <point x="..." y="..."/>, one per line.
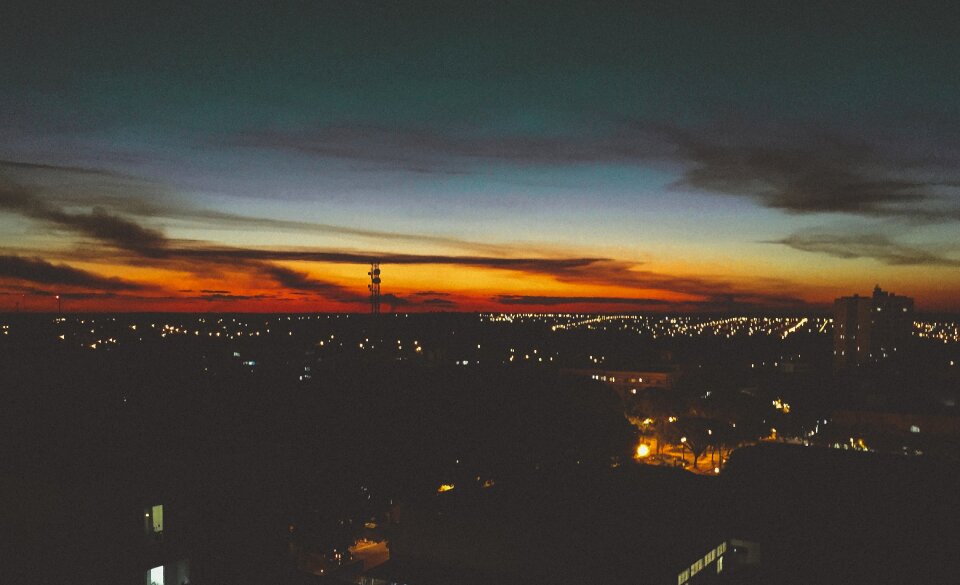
<point x="947" y="332"/>
<point x="683" y="326"/>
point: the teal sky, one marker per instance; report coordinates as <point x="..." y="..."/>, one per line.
<point x="744" y="154"/>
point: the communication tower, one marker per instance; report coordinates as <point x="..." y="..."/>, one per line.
<point x="374" y="288"/>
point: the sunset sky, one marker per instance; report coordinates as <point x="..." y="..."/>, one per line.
<point x="516" y="156"/>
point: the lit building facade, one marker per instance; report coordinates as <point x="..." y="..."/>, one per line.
<point x="629" y="382"/>
<point x="870" y="329"/>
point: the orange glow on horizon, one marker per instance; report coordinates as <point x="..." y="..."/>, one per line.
<point x="178" y="288"/>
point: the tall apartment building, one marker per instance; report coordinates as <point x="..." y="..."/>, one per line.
<point x="870" y="329"/>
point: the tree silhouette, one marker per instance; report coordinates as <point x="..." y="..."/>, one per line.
<point x="696" y="435"/>
<point x="659" y="405"/>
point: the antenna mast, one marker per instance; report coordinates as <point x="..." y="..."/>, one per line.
<point x="374" y="288"/>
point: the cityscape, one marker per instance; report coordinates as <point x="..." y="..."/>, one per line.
<point x="394" y="292"/>
<point x="358" y="429"/>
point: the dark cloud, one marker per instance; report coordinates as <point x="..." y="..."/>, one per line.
<point x="393" y="301"/>
<point x="596" y="271"/>
<point x="33" y="166"/>
<point x="800" y="173"/>
<point x="439" y="303"/>
<point x="87" y="296"/>
<point x="98" y="224"/>
<point x="148" y="247"/>
<point x="19" y="290"/>
<point x="793" y="169"/>
<point x="74" y="296"/>
<point x="218" y="297"/>
<point x="571" y="270"/>
<point x="126" y="196"/>
<point x="42" y="272"/>
<point x="539" y="265"/>
<point x="866" y="245"/>
<point x="301" y="281"/>
<point x="208" y="260"/>
<point x="115" y="230"/>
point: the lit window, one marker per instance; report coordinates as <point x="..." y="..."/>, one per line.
<point x="154" y="519"/>
<point x="695" y="567"/>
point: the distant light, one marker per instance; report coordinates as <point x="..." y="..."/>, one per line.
<point x="446" y="487"/>
<point x="643" y="450"/>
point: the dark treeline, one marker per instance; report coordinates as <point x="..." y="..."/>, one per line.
<point x="269" y="442"/>
<point x="258" y="449"/>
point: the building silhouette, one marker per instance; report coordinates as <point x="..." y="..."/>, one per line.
<point x="870" y="329"/>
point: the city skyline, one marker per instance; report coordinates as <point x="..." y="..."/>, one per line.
<point x="491" y="157"/>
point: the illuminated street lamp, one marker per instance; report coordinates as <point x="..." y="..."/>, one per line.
<point x="643" y="451"/>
